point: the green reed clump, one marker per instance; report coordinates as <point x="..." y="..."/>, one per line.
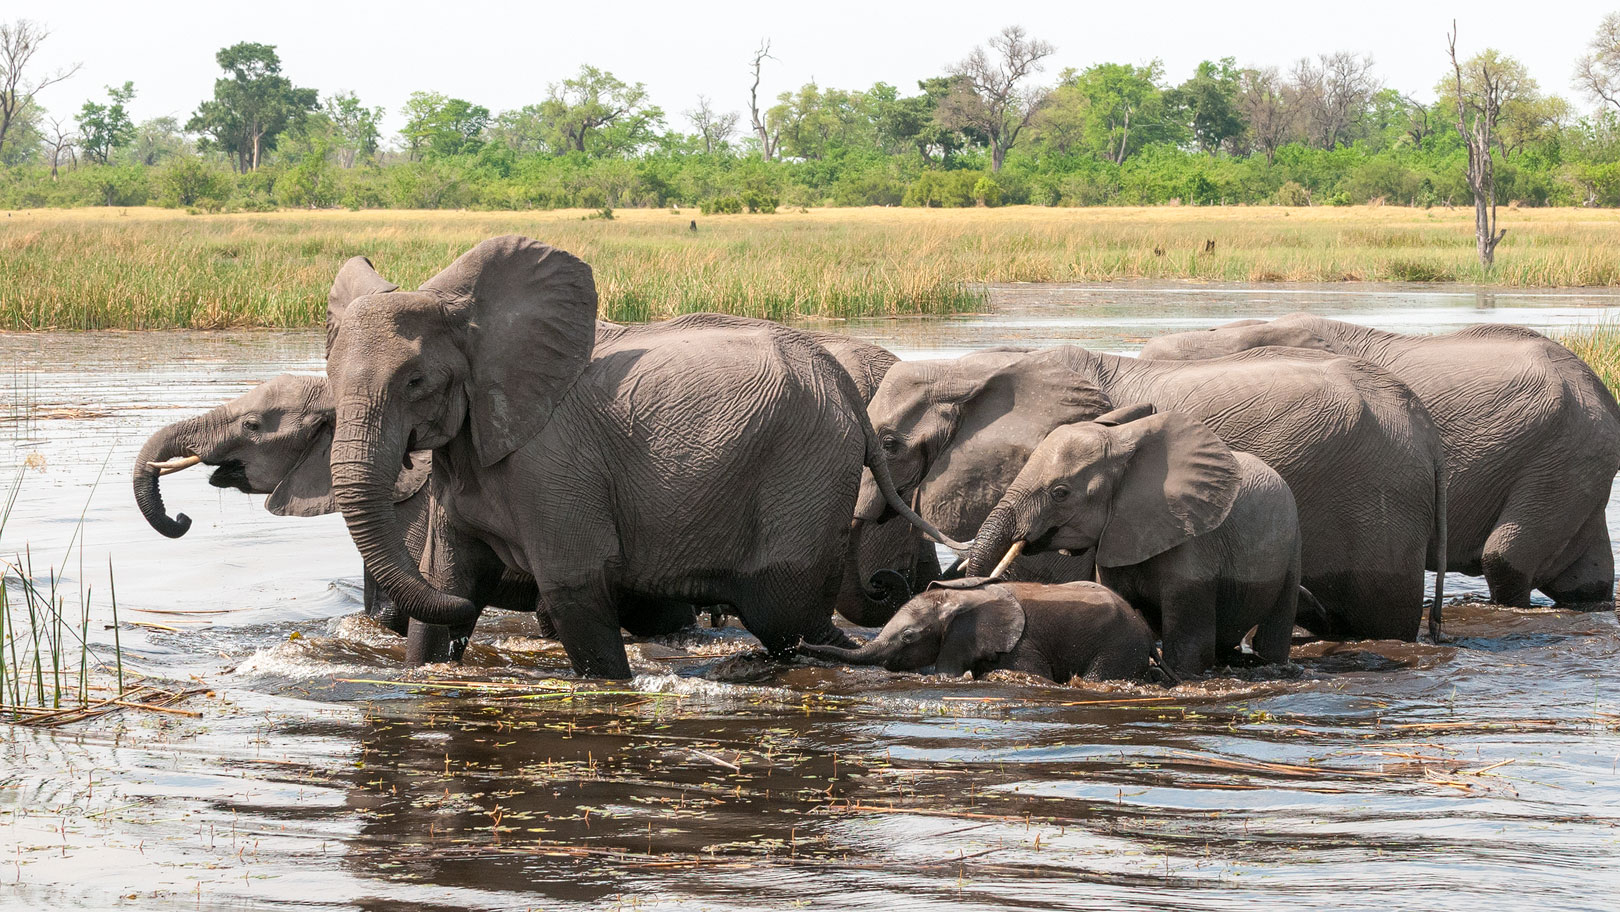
<point x="1599" y="347"/>
<point x="48" y="669"/>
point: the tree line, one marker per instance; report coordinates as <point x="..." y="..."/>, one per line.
<point x="994" y="128"/>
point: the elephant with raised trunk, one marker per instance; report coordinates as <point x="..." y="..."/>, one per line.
<point x="276" y="439"/>
<point x="1203" y="541"/>
<point x="1057" y="631"/>
<point x="1355" y="446"/>
<point x="703" y="464"/>
<point x="1531" y="436"/>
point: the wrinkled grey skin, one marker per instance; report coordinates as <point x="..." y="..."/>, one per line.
<point x="1355" y="446"/>
<point x="670" y="462"/>
<point x="1202" y="541"/>
<point x="1531" y="435"/>
<point x="276" y="440"/>
<point x="1058" y="631"/>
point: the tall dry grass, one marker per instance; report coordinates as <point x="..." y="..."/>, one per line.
<point x="1599" y="346"/>
<point x="148" y="269"/>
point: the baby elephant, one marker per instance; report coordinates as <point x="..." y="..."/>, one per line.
<point x="1203" y="541"/>
<point x="1058" y="631"/>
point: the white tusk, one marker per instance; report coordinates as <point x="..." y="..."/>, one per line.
<point x="176" y="464"/>
<point x="1066" y="552"/>
<point x="1012" y="554"/>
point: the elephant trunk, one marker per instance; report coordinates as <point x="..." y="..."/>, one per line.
<point x="170" y="449"/>
<point x="869" y="604"/>
<point x="365" y="462"/>
<point x="1000" y="533"/>
<point x="876" y="651"/>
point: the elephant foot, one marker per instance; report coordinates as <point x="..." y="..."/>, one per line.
<point x="428" y="644"/>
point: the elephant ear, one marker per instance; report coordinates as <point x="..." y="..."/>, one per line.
<point x="307" y="489"/>
<point x="980" y="630"/>
<point x="530" y="313"/>
<point x="1000" y="414"/>
<point x="1179" y="482"/>
<point x="412" y="479"/>
<point x="355" y="279"/>
<point x="1126" y="414"/>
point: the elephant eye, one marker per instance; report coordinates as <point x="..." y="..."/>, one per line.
<point x="1059" y="492"/>
<point x="890" y="444"/>
<point x="251" y="424"/>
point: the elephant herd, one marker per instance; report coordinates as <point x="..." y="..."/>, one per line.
<point x="489" y="442"/>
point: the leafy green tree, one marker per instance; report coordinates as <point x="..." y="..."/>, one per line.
<point x="1123" y="108"/>
<point x="599" y="114"/>
<point x="157" y="140"/>
<point x="354" y="127"/>
<point x="911" y="123"/>
<point x="1210" y="104"/>
<point x="252" y="105"/>
<point x="812" y="122"/>
<point x="437" y="126"/>
<point x="105" y="128"/>
<point x="523" y="130"/>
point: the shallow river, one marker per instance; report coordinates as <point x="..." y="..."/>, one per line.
<point x="324" y="776"/>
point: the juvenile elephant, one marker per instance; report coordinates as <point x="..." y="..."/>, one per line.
<point x="1355" y="446"/>
<point x="702" y="464"/>
<point x="276" y="439"/>
<point x="1531" y="437"/>
<point x="1203" y="541"/>
<point x="1058" y="631"/>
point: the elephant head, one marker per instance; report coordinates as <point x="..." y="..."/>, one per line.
<point x="953" y="626"/>
<point x="276" y="439"/>
<point x="955" y="431"/>
<point x="487" y="349"/>
<point x="1124" y="487"/>
<point x="1231" y="338"/>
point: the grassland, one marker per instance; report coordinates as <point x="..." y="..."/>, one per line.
<point x="154" y="268"/>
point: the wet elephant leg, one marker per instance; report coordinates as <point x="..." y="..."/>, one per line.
<point x="1525" y="537"/>
<point x="382" y="608"/>
<point x="1189" y="629"/>
<point x="651" y="617"/>
<point x="429" y="643"/>
<point x="458" y="564"/>
<point x="1587" y="582"/>
<point x="587" y="624"/>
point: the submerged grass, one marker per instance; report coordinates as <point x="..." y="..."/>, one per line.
<point x="155" y="269"/>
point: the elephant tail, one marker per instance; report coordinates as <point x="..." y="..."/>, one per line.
<point x="879" y="463"/>
<point x="1440" y="548"/>
<point x="1157" y="658"/>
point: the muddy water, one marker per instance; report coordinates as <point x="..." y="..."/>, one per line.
<point x="322" y="775"/>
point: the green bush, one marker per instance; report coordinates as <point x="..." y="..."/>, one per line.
<point x="185" y="181"/>
<point x="1292" y="193"/>
<point x="759" y="201"/>
<point x="721" y="205"/>
<point x="942" y="189"/>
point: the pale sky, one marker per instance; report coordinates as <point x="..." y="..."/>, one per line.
<point x="504" y="55"/>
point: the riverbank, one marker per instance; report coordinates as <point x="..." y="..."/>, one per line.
<point x="160" y="269"/>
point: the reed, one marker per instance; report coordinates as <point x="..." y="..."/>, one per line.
<point x="1599" y="346"/>
<point x="157" y="269"/>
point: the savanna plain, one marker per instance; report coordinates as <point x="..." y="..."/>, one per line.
<point x="235" y="734"/>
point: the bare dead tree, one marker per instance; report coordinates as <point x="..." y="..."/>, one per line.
<point x="1598" y="73"/>
<point x="990" y="93"/>
<point x="714" y="127"/>
<point x="1267" y="109"/>
<point x="1333" y="94"/>
<point x="1478" y="108"/>
<point x="19" y="41"/>
<point x="63" y="141"/>
<point x="767" y="138"/>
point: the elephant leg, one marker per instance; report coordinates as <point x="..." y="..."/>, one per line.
<point x="1189" y="629"/>
<point x="1587" y="583"/>
<point x="427" y="644"/>
<point x="382" y="608"/>
<point x="1274" y="637"/>
<point x="587" y="623"/>
<point x="785" y="607"/>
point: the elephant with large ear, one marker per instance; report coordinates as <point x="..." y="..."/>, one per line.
<point x="713" y="465"/>
<point x="1058" y="631"/>
<point x="1203" y="541"/>
<point x="1531" y="437"/>
<point x="276" y="439"/>
<point x="1355" y="446"/>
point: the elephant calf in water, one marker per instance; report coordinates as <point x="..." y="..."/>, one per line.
<point x="1058" y="631"/>
<point x="1203" y="541"/>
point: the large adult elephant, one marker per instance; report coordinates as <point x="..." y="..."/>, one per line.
<point x="1354" y="444"/>
<point x="276" y="439"/>
<point x="675" y="461"/>
<point x="1531" y="436"/>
